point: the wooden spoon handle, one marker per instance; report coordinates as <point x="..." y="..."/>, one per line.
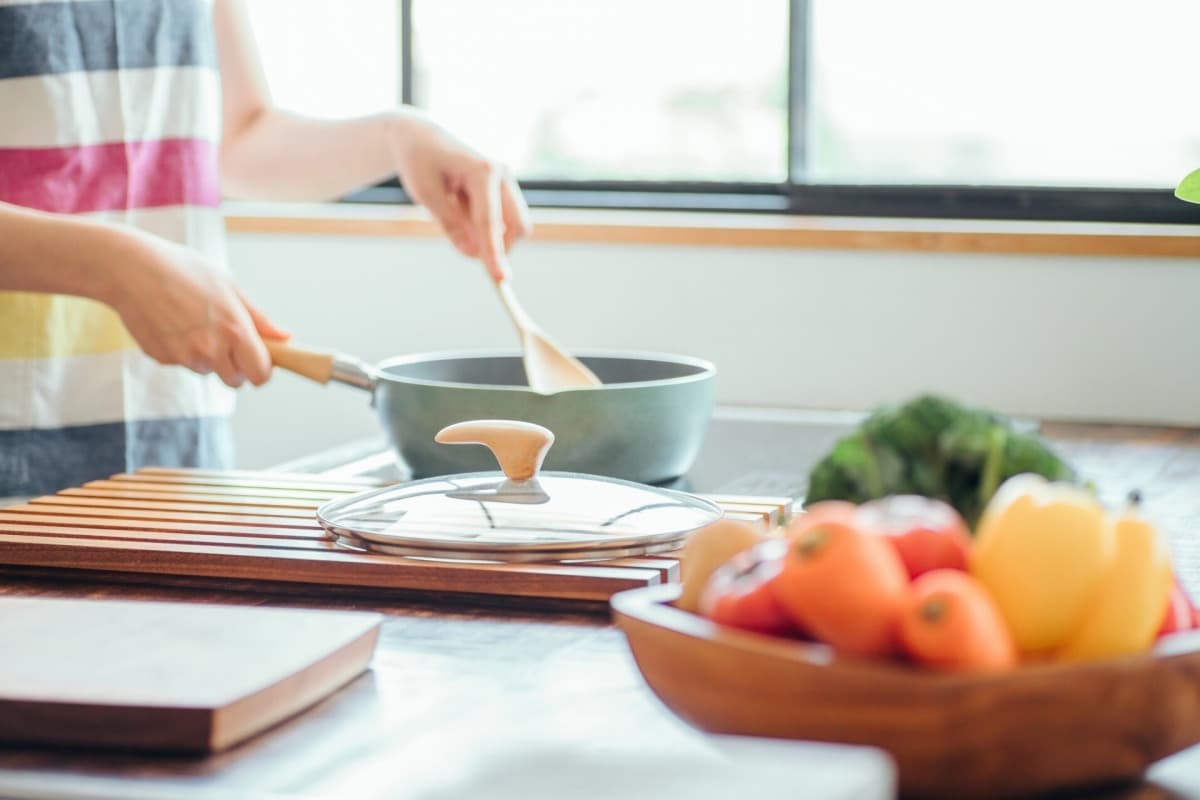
<point x="515" y="311"/>
<point x="316" y="365"/>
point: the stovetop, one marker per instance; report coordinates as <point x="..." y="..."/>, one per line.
<point x="756" y="452"/>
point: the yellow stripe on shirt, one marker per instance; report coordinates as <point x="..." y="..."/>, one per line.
<point x="52" y="326"/>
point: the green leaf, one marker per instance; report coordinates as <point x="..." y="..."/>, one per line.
<point x="914" y="427"/>
<point x="935" y="447"/>
<point x="858" y="463"/>
<point x="1189" y="188"/>
<point x="989" y="479"/>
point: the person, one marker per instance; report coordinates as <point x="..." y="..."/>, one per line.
<point x="122" y="126"/>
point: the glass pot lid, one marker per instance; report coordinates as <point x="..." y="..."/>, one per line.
<point x="517" y="514"/>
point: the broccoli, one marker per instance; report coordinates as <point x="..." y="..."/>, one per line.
<point x="934" y="447"/>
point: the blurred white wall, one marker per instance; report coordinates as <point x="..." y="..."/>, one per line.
<point x="1110" y="339"/>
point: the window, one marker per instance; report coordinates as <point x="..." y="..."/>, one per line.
<point x="654" y="90"/>
<point x="1055" y="109"/>
<point x="330" y="59"/>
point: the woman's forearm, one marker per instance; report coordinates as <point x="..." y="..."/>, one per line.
<point x="42" y="252"/>
<point x="271" y="154"/>
<point x="279" y="155"/>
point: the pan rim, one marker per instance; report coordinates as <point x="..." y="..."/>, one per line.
<point x="705" y="370"/>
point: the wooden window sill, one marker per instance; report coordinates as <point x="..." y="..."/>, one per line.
<point x="746" y="230"/>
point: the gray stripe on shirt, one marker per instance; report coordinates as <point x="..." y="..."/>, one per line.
<point x="92" y="35"/>
<point x="43" y="460"/>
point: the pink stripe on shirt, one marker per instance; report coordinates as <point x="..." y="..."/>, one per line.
<point x="109" y="177"/>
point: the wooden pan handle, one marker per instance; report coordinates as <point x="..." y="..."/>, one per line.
<point x="316" y="365"/>
<point x="520" y="447"/>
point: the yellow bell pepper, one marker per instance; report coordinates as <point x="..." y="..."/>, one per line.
<point x="1132" y="597"/>
<point x="1041" y="550"/>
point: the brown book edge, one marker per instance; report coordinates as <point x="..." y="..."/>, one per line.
<point x="254" y="713"/>
<point x="56" y="724"/>
<point x="185" y="730"/>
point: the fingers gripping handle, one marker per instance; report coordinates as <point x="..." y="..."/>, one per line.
<point x="520" y="447"/>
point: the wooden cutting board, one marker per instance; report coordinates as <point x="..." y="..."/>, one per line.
<point x="167" y="676"/>
<point x="260" y="528"/>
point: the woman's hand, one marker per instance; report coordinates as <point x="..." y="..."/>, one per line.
<point x="476" y="201"/>
<point x="182" y="310"/>
<point x="178" y="307"/>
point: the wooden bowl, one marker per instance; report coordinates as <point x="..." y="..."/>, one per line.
<point x="1033" y="729"/>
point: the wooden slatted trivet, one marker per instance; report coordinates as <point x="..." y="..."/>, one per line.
<point x="261" y="527"/>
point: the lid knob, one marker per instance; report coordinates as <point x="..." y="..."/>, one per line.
<point x="520" y="447"/>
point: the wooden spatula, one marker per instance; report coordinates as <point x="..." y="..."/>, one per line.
<point x="547" y="366"/>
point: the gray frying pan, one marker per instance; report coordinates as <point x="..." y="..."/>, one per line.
<point x="645" y="423"/>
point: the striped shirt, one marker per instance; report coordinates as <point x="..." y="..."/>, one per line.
<point x="109" y="109"/>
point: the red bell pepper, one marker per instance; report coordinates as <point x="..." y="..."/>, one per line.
<point x="739" y="593"/>
<point x="926" y="533"/>
<point x="1181" y="614"/>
